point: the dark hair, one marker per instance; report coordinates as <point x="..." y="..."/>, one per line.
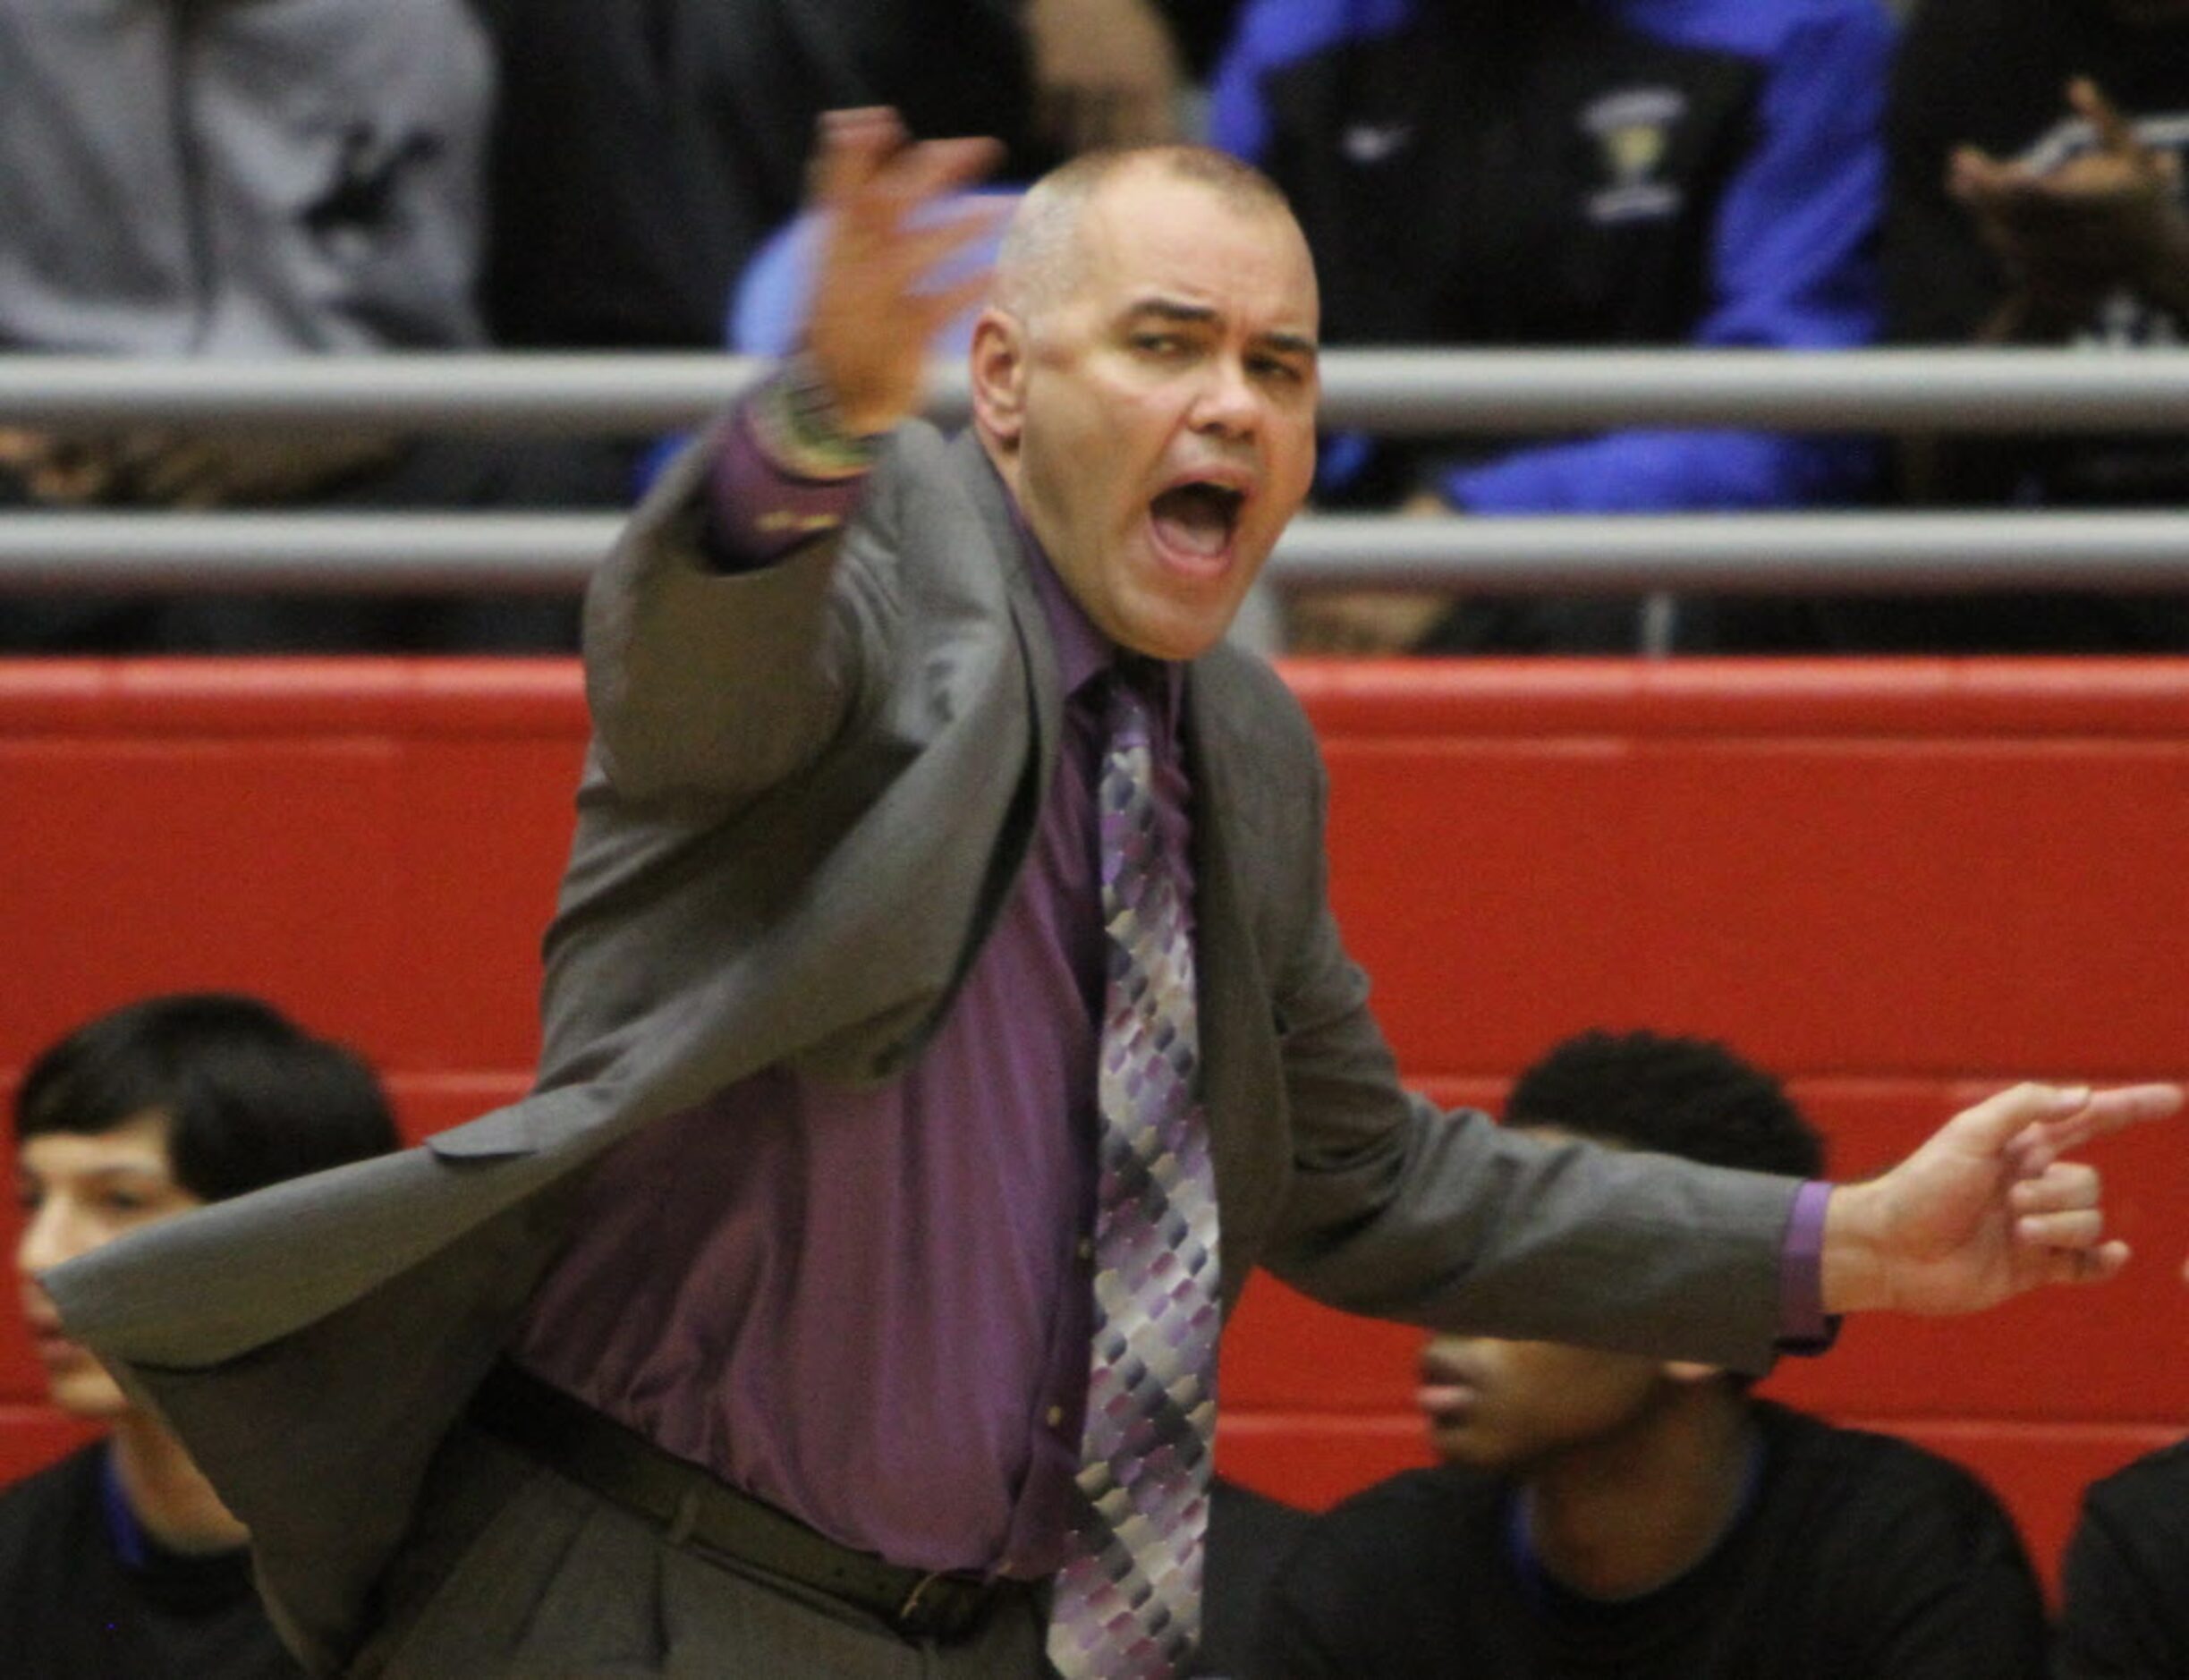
<point x="249" y="1098"/>
<point x="1688" y="1097"/>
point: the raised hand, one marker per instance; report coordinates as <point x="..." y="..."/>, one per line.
<point x="885" y="231"/>
<point x="2109" y="216"/>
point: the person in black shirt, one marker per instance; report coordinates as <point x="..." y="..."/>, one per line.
<point x="120" y="1560"/>
<point x="1250" y="1534"/>
<point x="1607" y="1515"/>
<point x="2125" y="1583"/>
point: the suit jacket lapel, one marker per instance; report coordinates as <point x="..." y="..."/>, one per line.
<point x="1242" y="1081"/>
<point x="1007" y="541"/>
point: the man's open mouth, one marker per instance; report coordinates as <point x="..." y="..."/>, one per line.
<point x="1198" y="517"/>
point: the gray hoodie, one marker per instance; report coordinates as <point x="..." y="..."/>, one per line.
<point x="239" y="177"/>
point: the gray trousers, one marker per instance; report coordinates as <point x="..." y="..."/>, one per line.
<point x="515" y="1571"/>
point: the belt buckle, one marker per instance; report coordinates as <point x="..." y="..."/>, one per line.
<point x="911" y="1615"/>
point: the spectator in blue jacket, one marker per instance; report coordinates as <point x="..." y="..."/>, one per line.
<point x="1567" y="172"/>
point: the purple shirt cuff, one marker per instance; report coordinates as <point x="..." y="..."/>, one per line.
<point x="1804" y="1327"/>
<point x="758" y="511"/>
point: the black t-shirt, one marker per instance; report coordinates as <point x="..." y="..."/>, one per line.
<point x="1858" y="1555"/>
<point x="73" y="1608"/>
<point x="1249" y="1535"/>
<point x="2125" y="1583"/>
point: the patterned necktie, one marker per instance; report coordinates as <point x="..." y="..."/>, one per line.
<point x="1128" y="1601"/>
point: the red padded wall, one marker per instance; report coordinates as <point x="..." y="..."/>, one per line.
<point x="1898" y="883"/>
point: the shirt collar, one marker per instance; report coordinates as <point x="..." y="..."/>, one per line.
<point x="1083" y="652"/>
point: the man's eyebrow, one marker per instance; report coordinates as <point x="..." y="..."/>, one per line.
<point x="1199" y="314"/>
<point x="1171" y="309"/>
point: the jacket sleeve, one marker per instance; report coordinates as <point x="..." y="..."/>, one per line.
<point x="1393" y="1209"/>
<point x="1268" y="33"/>
<point x="712" y="686"/>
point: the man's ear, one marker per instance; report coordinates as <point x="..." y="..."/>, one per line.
<point x="998" y="367"/>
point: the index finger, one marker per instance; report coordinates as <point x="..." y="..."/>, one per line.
<point x="2114" y="133"/>
<point x="2105" y="1111"/>
<point x="2062" y="1112"/>
<point x="852" y="145"/>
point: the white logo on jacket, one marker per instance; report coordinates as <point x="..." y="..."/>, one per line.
<point x="1633" y="131"/>
<point x="1375" y="142"/>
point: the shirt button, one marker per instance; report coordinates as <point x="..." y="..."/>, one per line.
<point x="1086" y="1248"/>
<point x="1055" y="1416"/>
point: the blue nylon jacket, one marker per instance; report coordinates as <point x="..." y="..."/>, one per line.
<point x="1631" y="172"/>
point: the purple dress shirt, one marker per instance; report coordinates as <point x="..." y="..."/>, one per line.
<point x="872" y="1308"/>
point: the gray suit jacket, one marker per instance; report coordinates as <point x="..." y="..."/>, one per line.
<point x="809" y="789"/>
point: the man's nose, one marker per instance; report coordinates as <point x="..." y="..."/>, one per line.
<point x="1228" y="403"/>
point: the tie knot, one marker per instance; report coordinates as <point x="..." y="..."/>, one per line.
<point x="1133" y="700"/>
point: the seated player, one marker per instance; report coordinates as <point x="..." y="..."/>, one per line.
<point x="1601" y="1513"/>
<point x="120" y="1560"/>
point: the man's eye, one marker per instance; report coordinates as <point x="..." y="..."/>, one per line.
<point x="1158" y="344"/>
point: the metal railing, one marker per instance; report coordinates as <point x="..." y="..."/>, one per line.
<point x="1397" y="393"/>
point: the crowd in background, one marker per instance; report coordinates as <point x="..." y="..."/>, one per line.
<point x="329" y="177"/>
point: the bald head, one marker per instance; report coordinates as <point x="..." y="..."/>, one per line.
<point x="1040" y="259"/>
<point x="1144" y="382"/>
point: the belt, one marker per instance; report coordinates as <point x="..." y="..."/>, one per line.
<point x="699" y="1509"/>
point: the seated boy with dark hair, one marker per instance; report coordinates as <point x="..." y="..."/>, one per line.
<point x="1602" y="1513"/>
<point x="120" y="1559"/>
